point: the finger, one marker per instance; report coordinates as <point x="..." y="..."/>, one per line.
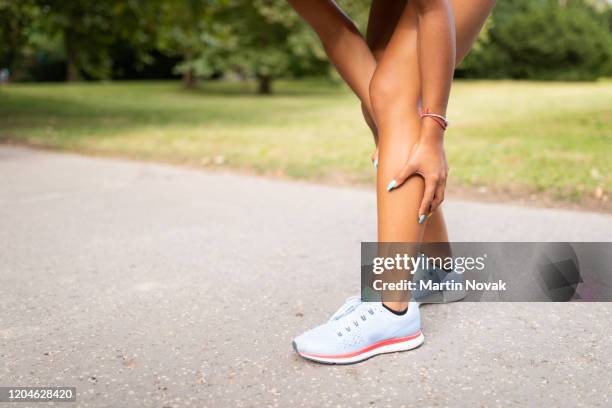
<point x="428" y="196"/>
<point x="439" y="196"/>
<point x="408" y="170"/>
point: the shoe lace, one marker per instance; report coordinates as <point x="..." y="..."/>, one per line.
<point x="350" y="319"/>
<point x="349" y="304"/>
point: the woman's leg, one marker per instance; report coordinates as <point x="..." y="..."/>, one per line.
<point x="394" y="95"/>
<point x="395" y="106"/>
<point x="356" y="63"/>
<point x="395" y="92"/>
<point x="342" y="40"/>
<point x="383" y="18"/>
<point x="470" y="16"/>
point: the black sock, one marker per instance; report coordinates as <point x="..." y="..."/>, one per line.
<point x="403" y="312"/>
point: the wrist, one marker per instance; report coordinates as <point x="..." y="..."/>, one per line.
<point x="431" y="133"/>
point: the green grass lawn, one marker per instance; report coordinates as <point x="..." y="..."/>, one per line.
<point x="544" y="138"/>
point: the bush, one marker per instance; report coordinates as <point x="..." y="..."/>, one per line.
<point x="543" y="40"/>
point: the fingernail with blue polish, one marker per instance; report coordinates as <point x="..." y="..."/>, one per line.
<point x="391" y="185"/>
<point x="422" y="218"/>
<point x="376" y="163"/>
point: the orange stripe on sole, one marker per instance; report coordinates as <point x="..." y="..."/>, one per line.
<point x="365" y="349"/>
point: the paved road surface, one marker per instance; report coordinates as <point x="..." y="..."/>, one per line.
<point x="154" y="286"/>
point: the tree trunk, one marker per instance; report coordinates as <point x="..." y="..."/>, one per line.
<point x="72" y="71"/>
<point x="72" y="64"/>
<point x="189" y="79"/>
<point x="264" y="86"/>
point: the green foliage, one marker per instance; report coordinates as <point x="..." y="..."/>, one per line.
<point x="262" y="47"/>
<point x="192" y="30"/>
<point x="270" y="41"/>
<point x="543" y="39"/>
<point x="89" y="28"/>
<point x="16" y="18"/>
<point x="265" y="39"/>
<point x="262" y="39"/>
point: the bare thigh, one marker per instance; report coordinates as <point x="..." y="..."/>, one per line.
<point x="383" y="17"/>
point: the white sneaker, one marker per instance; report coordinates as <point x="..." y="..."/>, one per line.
<point x="361" y="331"/>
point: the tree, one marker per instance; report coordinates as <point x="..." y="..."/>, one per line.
<point x="192" y="30"/>
<point x="269" y="41"/>
<point x="90" y="27"/>
<point x="16" y="18"/>
<point x="543" y="39"/>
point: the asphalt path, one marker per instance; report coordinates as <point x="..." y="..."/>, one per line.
<point x="159" y="286"/>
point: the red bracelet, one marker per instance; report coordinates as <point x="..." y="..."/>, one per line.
<point x="439" y="119"/>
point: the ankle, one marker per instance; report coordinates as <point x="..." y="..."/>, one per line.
<point x="397" y="308"/>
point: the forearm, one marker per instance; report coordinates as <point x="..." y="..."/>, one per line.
<point x="343" y="43"/>
<point x="437" y="52"/>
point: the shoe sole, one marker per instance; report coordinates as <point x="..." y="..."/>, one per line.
<point x="381" y="347"/>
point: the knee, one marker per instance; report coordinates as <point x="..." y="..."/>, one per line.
<point x="383" y="94"/>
